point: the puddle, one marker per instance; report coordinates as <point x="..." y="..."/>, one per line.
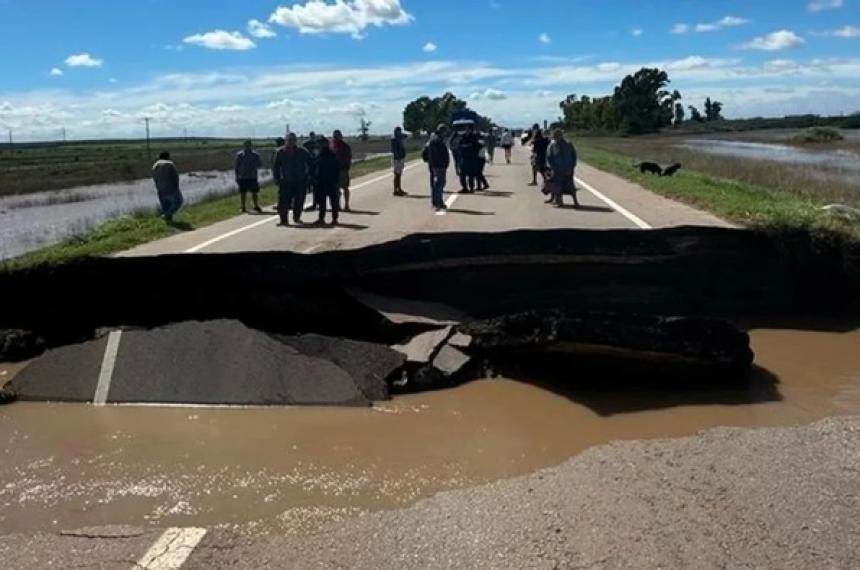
<point x="292" y="470"/>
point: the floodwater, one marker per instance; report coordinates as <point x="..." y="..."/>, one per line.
<point x="292" y="470"/>
<point x="839" y="163"/>
<point x="32" y="221"/>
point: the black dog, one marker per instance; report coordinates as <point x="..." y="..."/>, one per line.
<point x="670" y="171"/>
<point x="651" y="167"/>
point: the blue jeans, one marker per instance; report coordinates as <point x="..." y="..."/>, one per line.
<point x="170" y="204"/>
<point x="438" y="179"/>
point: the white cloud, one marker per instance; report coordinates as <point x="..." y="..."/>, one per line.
<point x="846" y="32"/>
<point x="637" y="32"/>
<point x="221" y="40"/>
<point x="56" y="72"/>
<point x="285" y="103"/>
<point x="489" y="94"/>
<point x="775" y="41"/>
<point x="259" y="30"/>
<point x="353" y="109"/>
<point x="544" y="38"/>
<point x="543" y="93"/>
<point x="340" y="16"/>
<point x="83" y="60"/>
<point x="430" y="47"/>
<point x="726" y="22"/>
<point x="821" y="5"/>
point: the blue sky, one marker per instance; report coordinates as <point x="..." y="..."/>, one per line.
<point x="97" y="67"/>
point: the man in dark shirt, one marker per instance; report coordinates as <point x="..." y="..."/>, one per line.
<point x="438" y="159"/>
<point x="312" y="146"/>
<point x="327" y="179"/>
<point x="291" y="171"/>
<point x="398" y="161"/>
<point x="247" y="168"/>
<point x="539" y="147"/>
<point x="343" y="153"/>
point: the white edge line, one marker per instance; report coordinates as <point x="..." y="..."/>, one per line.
<point x="269" y="219"/>
<point x="106" y="372"/>
<point x="172" y="549"/>
<point x="639" y="222"/>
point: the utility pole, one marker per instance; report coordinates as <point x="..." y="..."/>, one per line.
<point x="11" y="144"/>
<point x="148" y="149"/>
<point x="64" y="134"/>
<point x="185" y="134"/>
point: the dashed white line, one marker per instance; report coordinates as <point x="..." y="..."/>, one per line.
<point x="200" y="247"/>
<point x="106" y="373"/>
<point x="172" y="549"/>
<point x="637" y="221"/>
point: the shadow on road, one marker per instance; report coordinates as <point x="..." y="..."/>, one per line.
<point x="495" y="194"/>
<point x="181" y="226"/>
<point x="362" y="212"/>
<point x="469" y="212"/>
<point x="599" y="209"/>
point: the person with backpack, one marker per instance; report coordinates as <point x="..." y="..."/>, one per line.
<point x="438" y="159"/>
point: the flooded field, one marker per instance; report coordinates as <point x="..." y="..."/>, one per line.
<point x="290" y="470"/>
<point x="32" y="221"/>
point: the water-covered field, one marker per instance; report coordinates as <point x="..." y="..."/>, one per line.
<point x="32" y="221"/>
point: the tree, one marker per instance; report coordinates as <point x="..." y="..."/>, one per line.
<point x="364" y="129"/>
<point x="679" y="113"/>
<point x="424" y="114"/>
<point x="713" y="110"/>
<point x="642" y="102"/>
<point x="695" y="115"/>
<point x="417" y="116"/>
<point x="708" y="109"/>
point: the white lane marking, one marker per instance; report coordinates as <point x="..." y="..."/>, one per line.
<point x="172" y="549"/>
<point x="106" y="373"/>
<point x="449" y="203"/>
<point x="637" y="221"/>
<point x="270" y="219"/>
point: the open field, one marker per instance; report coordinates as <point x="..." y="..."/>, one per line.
<point x="129" y="231"/>
<point x="32" y="168"/>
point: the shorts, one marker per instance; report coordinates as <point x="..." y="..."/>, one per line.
<point x="249" y="186"/>
<point x="507" y="146"/>
<point x="344" y="179"/>
<point x="398" y="166"/>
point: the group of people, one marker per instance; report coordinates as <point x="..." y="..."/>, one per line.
<point x="322" y="167"/>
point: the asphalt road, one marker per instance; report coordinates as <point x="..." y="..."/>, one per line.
<point x="608" y="201"/>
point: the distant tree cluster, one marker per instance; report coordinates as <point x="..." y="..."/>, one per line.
<point x="424" y="114"/>
<point x="640" y="104"/>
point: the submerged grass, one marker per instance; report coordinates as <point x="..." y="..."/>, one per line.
<point x="774" y="207"/>
<point x="131" y="231"/>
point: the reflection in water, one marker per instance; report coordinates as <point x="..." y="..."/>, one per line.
<point x="290" y="470"/>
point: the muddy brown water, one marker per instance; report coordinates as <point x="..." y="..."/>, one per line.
<point x="292" y="470"/>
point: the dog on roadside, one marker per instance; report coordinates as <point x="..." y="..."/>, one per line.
<point x="650" y="167"/>
<point x="671" y="170"/>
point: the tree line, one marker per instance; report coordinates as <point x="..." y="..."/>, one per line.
<point x="424" y="114"/>
<point x="641" y="104"/>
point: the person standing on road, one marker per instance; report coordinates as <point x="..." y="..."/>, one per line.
<point x="454" y="143"/>
<point x="561" y="165"/>
<point x="343" y="152"/>
<point x="166" y="178"/>
<point x="539" y="147"/>
<point x="279" y="143"/>
<point x="247" y="168"/>
<point x="291" y="171"/>
<point x="507" y="142"/>
<point x="398" y="161"/>
<point x="312" y="147"/>
<point x="470" y="148"/>
<point x="328" y="173"/>
<point x="438" y="159"/>
<point x="490" y="143"/>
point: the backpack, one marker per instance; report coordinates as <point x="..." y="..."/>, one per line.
<point x="425" y="154"/>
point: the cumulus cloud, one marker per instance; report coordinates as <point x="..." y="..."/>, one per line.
<point x="221" y="40"/>
<point x="259" y="30"/>
<point x="352" y="109"/>
<point x="544" y="38"/>
<point x="83" y="60"/>
<point x="726" y="22"/>
<point x="429" y="47"/>
<point x="775" y="41"/>
<point x="821" y="5"/>
<point x="846" y="32"/>
<point x="56" y="72"/>
<point x="340" y="16"/>
<point x="285" y="103"/>
<point x="489" y="94"/>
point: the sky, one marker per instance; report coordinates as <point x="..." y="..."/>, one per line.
<point x="96" y="68"/>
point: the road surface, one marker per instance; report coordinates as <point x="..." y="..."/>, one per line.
<point x="608" y="201"/>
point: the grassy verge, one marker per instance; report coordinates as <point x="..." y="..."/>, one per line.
<point x="131" y="231"/>
<point x="739" y="202"/>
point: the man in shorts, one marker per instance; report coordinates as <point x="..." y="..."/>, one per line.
<point x="507" y="142"/>
<point x="398" y="161"/>
<point x="343" y="152"/>
<point x="248" y="164"/>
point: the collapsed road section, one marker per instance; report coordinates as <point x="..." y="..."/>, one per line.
<point x="425" y="312"/>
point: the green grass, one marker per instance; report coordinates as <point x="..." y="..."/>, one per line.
<point x="131" y="231"/>
<point x="739" y="202"/>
